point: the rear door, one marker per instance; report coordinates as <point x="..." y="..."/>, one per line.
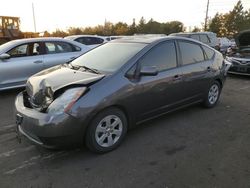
<point x="157" y="94"/>
<point x="25" y="60"/>
<point x="196" y="69"/>
<point x="58" y="52"/>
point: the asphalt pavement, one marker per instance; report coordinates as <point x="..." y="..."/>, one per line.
<point x="191" y="148"/>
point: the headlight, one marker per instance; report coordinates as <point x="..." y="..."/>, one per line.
<point x="65" y="102"/>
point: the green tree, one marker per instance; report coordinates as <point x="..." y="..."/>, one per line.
<point x="132" y="28"/>
<point x="216" y="24"/>
<point x="121" y="28"/>
<point x="141" y="25"/>
<point x="59" y="33"/>
<point x="172" y="27"/>
<point x="196" y="29"/>
<point x="75" y="31"/>
<point x="234" y="20"/>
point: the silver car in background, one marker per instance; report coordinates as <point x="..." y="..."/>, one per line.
<point x="20" y="59"/>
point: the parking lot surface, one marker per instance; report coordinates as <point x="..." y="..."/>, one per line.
<point x="191" y="148"/>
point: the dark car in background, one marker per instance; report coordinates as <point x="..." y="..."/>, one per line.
<point x="100" y="95"/>
<point x="240" y="57"/>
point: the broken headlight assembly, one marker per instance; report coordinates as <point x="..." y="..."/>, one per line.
<point x="66" y="100"/>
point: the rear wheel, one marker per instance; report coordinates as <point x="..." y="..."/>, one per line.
<point x="213" y="95"/>
<point x="106" y="131"/>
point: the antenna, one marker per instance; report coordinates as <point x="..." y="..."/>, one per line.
<point x="34" y="18"/>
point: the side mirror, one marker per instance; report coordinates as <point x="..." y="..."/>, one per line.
<point x="148" y="71"/>
<point x="4" y="56"/>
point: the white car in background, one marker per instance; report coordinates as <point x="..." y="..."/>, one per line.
<point x="20" y="59"/>
<point x="90" y="40"/>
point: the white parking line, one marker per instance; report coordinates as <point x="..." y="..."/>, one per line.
<point x="24" y="164"/>
<point x="33" y="160"/>
<point x="243" y="88"/>
<point x="7" y="153"/>
<point x="3" y="128"/>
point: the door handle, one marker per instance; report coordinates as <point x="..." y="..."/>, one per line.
<point x="38" y="61"/>
<point x="209" y="69"/>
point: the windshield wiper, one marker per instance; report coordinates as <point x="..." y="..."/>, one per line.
<point x="75" y="67"/>
<point x="91" y="69"/>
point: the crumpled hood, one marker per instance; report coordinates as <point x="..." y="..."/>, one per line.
<point x="243" y="38"/>
<point x="56" y="78"/>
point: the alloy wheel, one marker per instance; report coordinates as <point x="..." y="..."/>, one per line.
<point x="108" y="131"/>
<point x="213" y="94"/>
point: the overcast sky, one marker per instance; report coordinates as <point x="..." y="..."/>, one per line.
<point x="52" y="14"/>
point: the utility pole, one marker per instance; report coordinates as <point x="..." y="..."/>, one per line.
<point x="205" y="26"/>
<point x="34" y="18"/>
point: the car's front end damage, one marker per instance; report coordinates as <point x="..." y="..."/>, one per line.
<point x="43" y="109"/>
<point x="240" y="58"/>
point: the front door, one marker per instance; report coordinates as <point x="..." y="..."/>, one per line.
<point x="158" y="94"/>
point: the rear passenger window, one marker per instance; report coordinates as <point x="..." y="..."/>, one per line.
<point x="163" y="56"/>
<point x="190" y="53"/>
<point x="58" y="47"/>
<point x="208" y="52"/>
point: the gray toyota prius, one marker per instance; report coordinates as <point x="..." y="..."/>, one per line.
<point x="97" y="97"/>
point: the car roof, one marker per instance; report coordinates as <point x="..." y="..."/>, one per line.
<point x="192" y="33"/>
<point x="76" y="36"/>
<point x="17" y="42"/>
<point x="148" y="40"/>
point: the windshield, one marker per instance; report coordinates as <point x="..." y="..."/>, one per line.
<point x="109" y="57"/>
<point x="6" y="46"/>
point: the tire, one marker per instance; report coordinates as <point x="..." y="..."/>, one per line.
<point x="212" y="95"/>
<point x="106" y="131"/>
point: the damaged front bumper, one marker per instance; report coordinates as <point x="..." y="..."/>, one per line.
<point x="240" y="66"/>
<point x="45" y="129"/>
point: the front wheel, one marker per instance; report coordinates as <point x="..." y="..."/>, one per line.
<point x="213" y="95"/>
<point x="106" y="131"/>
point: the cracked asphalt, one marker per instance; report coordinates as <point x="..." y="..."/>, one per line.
<point x="191" y="148"/>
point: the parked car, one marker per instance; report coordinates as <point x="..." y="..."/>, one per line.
<point x="224" y="44"/>
<point x="20" y="59"/>
<point x="119" y="84"/>
<point x="240" y="57"/>
<point x="208" y="38"/>
<point x="90" y="40"/>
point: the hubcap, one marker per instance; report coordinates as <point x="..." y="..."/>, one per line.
<point x="213" y="94"/>
<point x="108" y="131"/>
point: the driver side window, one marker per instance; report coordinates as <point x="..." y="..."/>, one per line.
<point x="162" y="56"/>
<point x="19" y="51"/>
<point x="30" y="49"/>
